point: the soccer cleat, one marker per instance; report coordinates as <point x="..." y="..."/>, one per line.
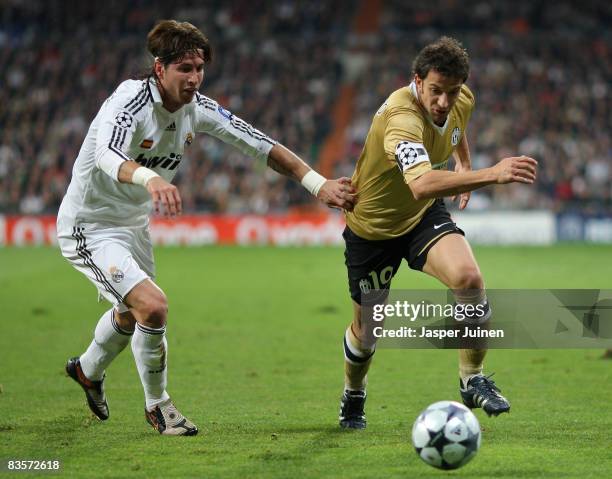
<point x="166" y="419"/>
<point x="94" y="390"/>
<point x="481" y="391"/>
<point x="352" y="415"/>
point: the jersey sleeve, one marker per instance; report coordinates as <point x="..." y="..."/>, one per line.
<point x="117" y="122"/>
<point x="403" y="144"/>
<point x="215" y="120"/>
<point x="469" y="100"/>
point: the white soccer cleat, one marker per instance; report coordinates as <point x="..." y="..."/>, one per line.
<point x="167" y="420"/>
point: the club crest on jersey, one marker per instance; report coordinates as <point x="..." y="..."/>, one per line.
<point x="124" y="119"/>
<point x="226" y="113"/>
<point x="456" y="134"/>
<point x="116" y="274"/>
<point x="188" y="139"/>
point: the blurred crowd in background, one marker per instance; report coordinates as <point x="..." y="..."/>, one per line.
<point x="541" y="73"/>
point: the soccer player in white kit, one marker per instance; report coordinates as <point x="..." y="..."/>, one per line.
<point x="128" y="159"/>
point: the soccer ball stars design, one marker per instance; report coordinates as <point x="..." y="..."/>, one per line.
<point x="446" y="435"/>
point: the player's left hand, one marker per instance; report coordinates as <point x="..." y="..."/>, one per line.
<point x="338" y="194"/>
<point x="464" y="198"/>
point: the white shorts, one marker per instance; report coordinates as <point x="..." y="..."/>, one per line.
<point x="114" y="259"/>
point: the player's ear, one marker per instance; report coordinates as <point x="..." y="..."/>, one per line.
<point x="159" y="69"/>
<point x="418" y="81"/>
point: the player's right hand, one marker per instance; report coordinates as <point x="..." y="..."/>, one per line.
<point x="166" y="197"/>
<point x="516" y="169"/>
<point x="338" y="193"/>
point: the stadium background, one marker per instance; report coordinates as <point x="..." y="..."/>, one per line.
<point x="255" y="331"/>
<point x="311" y="74"/>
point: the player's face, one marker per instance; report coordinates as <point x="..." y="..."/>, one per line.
<point x="438" y="94"/>
<point x="180" y="80"/>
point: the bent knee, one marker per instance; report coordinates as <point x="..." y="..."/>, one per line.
<point x="361" y="332"/>
<point x="468" y="278"/>
<point x="154" y="311"/>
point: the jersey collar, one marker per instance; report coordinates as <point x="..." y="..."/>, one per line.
<point x="155" y="92"/>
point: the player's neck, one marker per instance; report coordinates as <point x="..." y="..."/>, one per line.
<point x="169" y="105"/>
<point x="422" y="107"/>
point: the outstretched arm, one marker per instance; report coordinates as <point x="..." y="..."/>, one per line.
<point x="334" y="193"/>
<point x="437" y="184"/>
<point x="217" y="121"/>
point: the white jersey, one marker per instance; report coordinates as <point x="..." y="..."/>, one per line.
<point x="132" y="124"/>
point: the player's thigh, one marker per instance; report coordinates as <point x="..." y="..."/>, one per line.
<point x="452" y="261"/>
<point x="371" y="265"/>
<point x="106" y="260"/>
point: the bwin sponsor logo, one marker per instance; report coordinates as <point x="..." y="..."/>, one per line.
<point x="167" y="162"/>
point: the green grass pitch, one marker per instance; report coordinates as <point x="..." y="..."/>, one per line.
<point x="255" y="360"/>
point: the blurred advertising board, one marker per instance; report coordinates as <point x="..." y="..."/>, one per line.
<point x="578" y="227"/>
<point x="305" y="229"/>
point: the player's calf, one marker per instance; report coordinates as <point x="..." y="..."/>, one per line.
<point x="357" y="359"/>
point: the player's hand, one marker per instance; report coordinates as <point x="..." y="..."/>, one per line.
<point x="166" y="198"/>
<point x="338" y="194"/>
<point x="516" y="169"/>
<point x="464" y="198"/>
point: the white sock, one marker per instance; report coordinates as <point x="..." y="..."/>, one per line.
<point x="109" y="340"/>
<point x="150" y="350"/>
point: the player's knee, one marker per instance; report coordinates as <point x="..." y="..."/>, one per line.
<point x="468" y="278"/>
<point x="357" y="317"/>
<point x="357" y="326"/>
<point x="155" y="311"/>
<point x="359" y="335"/>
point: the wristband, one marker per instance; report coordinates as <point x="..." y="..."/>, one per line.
<point x="142" y="175"/>
<point x="313" y="181"/>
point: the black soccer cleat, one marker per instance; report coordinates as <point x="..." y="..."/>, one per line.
<point x="167" y="420"/>
<point x="481" y="391"/>
<point x="94" y="390"/>
<point x="352" y="415"/>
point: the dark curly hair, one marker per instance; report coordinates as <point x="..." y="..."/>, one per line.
<point x="447" y="56"/>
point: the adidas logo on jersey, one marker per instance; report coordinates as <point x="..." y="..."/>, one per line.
<point x="171" y="127"/>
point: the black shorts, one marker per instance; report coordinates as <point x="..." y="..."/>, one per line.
<point x="371" y="264"/>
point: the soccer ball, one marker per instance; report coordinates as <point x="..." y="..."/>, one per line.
<point x="446" y="435"/>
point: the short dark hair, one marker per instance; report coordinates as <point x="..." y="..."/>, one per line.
<point x="447" y="56"/>
<point x="170" y="41"/>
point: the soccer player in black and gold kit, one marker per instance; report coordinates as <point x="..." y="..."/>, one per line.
<point x="401" y="177"/>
